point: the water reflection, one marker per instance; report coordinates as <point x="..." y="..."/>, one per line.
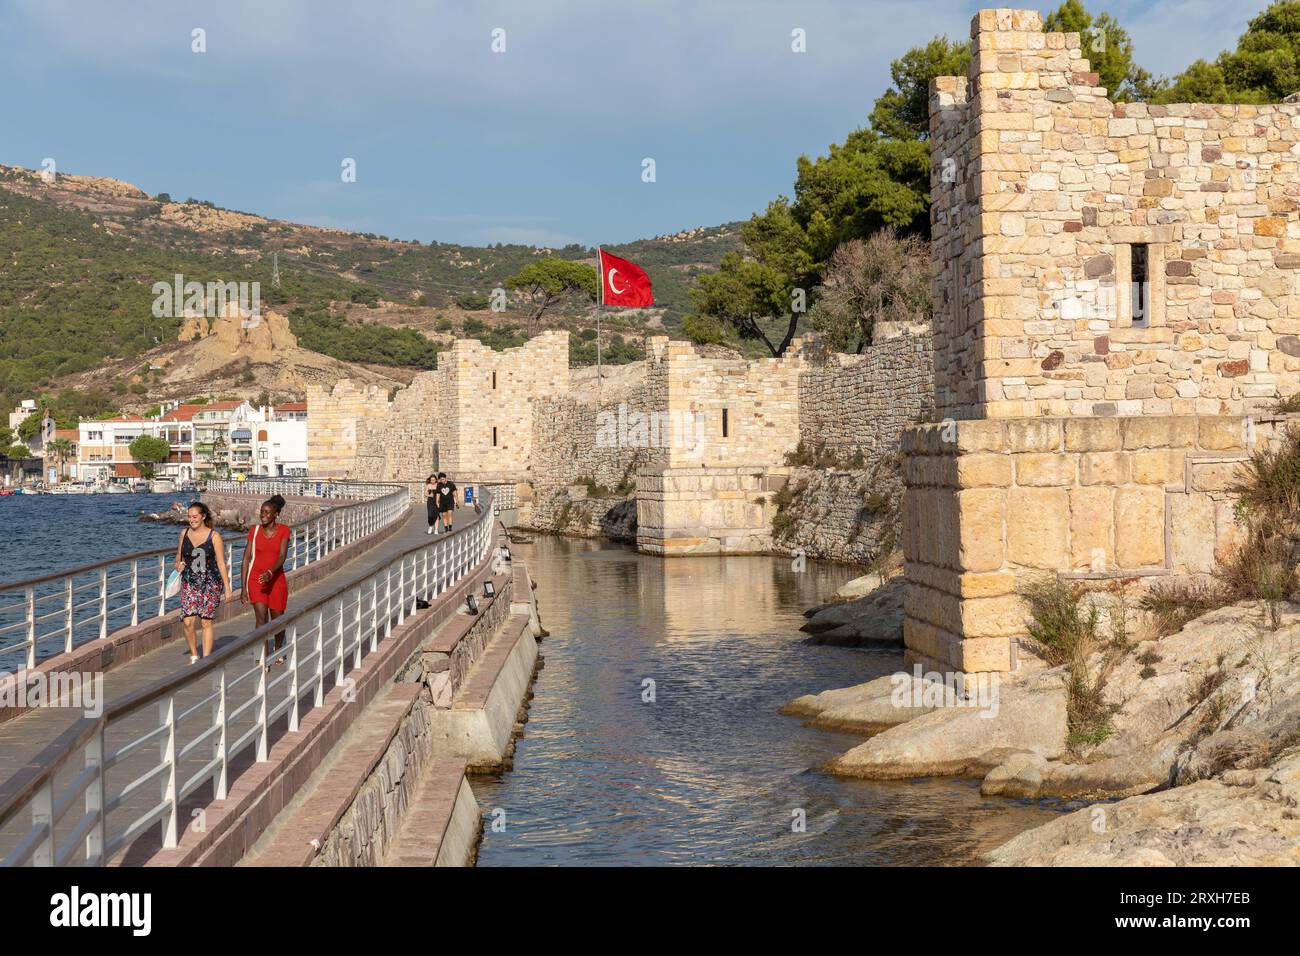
<point x="654" y="736"/>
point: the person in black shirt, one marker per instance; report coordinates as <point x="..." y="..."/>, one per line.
<point x="444" y="493"/>
<point x="431" y="501"/>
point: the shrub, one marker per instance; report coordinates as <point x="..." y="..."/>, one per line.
<point x="1173" y="605"/>
<point x="1065" y="624"/>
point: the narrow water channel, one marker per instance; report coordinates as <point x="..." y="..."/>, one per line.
<point x="654" y="737"/>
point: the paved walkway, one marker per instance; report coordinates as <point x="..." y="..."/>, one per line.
<point x="23" y="738"/>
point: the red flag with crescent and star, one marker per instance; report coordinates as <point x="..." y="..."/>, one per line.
<point x="623" y="283"/>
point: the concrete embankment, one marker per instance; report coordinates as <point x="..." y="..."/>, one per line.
<point x="396" y="790"/>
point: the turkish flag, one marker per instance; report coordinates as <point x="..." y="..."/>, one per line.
<point x="623" y="282"/>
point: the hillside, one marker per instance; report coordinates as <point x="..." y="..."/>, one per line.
<point x="81" y="254"/>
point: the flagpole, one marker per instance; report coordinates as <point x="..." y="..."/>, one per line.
<point x="600" y="307"/>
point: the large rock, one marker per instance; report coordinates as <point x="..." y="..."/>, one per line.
<point x="969" y="739"/>
<point x="875" y="620"/>
<point x="864" y="708"/>
<point x="1247" y="819"/>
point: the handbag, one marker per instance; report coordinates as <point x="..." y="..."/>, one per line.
<point x="173" y="584"/>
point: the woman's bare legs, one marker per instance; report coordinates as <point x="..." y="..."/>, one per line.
<point x="187" y="625"/>
<point x="207" y="636"/>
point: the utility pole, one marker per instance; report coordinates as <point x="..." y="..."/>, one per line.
<point x="275" y="269"/>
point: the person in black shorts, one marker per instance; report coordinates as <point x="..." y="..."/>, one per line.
<point x="444" y="494"/>
<point x="431" y="501"/>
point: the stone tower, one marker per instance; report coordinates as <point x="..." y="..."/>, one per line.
<point x="1115" y="286"/>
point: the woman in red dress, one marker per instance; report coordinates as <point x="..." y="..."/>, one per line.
<point x="265" y="586"/>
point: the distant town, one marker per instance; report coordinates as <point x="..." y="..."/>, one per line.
<point x="191" y="442"/>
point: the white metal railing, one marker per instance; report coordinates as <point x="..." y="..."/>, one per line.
<point x="45" y="616"/>
<point x="186" y="734"/>
<point x="300" y="487"/>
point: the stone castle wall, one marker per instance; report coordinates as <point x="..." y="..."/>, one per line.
<point x="1044" y="193"/>
<point x="338" y="415"/>
<point x="861" y="403"/>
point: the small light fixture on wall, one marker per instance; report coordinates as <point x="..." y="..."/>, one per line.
<point x="488" y="589"/>
<point x="470" y="604"/>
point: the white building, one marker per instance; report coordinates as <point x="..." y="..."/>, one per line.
<point x="280" y="448"/>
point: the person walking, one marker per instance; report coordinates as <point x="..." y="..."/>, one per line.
<point x="431" y="501"/>
<point x="201" y="560"/>
<point x="265" y="586"/>
<point x="445" y="493"/>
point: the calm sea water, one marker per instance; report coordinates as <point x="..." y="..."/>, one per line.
<point x="41" y="534"/>
<point x="698" y="767"/>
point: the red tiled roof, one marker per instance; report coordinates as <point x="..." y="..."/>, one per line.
<point x="119" y="418"/>
<point x="292" y="407"/>
<point x="182" y="413"/>
<point x="72" y="434"/>
<point x="126" y="469"/>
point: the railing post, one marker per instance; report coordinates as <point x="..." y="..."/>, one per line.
<point x="167" y="711"/>
<point x="220" y="776"/>
<point x="261" y="704"/>
<point x="320" y="659"/>
<point x="43" y="815"/>
<point x="356" y="653"/>
<point x="135" y="592"/>
<point x="293" y="677"/>
<point x="342" y="636"/>
<point x="162" y="584"/>
<point x="103" y="602"/>
<point x="374" y="614"/>
<point x="401" y="591"/>
<point x="95" y="799"/>
<point x="69" y="618"/>
<point x="30" y="594"/>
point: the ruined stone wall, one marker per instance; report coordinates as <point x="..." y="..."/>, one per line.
<point x="335" y="417"/>
<point x="1044" y="193"/>
<point x="400" y="446"/>
<point x="493" y="396"/>
<point x="760" y="400"/>
<point x="861" y="403"/>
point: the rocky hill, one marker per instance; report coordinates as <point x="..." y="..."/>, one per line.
<point x="81" y="255"/>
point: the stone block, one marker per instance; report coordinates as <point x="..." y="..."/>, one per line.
<point x="1220" y="433"/>
<point x="1029" y="435"/>
<point x="1038" y="527"/>
<point x="981" y="534"/>
<point x="1139" y="527"/>
<point x="1045" y="469"/>
<point x="983" y="470"/>
<point x="1091" y="547"/>
<point x="1162" y="466"/>
<point x="1192" y="533"/>
<point x="1104" y="468"/>
<point x="1092" y="434"/>
<point x="1158" y="432"/>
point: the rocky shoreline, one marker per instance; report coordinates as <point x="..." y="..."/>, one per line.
<point x="1201" y="757"/>
<point x="236" y="512"/>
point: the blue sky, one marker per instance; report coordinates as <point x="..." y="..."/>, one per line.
<point x="540" y="144"/>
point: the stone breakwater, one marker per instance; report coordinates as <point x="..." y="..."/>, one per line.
<point x="241" y="512"/>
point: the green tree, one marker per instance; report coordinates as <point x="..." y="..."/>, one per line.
<point x="148" y="451"/>
<point x="878" y="178"/>
<point x="548" y="281"/>
<point x="1264" y="68"/>
<point x="1108" y="48"/>
<point x="18" y="451"/>
<point x="903" y="111"/>
<point x="6" y="436"/>
<point x="59" y="449"/>
<point x="30" y="426"/>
